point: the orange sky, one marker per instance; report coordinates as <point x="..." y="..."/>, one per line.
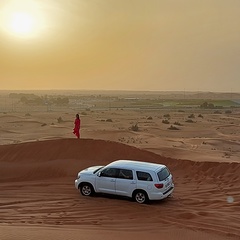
<point x="123" y="45"/>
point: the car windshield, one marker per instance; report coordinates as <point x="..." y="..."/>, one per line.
<point x="97" y="169"/>
<point x="163" y="174"/>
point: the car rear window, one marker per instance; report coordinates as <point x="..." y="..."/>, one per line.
<point x="144" y="176"/>
<point x="163" y="174"/>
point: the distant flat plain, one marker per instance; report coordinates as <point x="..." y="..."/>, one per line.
<point x="172" y="124"/>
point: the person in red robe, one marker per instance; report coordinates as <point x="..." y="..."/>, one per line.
<point x="77" y="124"/>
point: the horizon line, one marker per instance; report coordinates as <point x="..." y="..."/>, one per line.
<point x="121" y="90"/>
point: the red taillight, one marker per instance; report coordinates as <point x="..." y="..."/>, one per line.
<point x="158" y="185"/>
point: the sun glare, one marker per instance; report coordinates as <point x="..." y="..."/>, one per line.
<point x="22" y="20"/>
<point x="22" y="23"/>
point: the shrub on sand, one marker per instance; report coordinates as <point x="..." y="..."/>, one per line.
<point x="189" y="121"/>
<point x="167" y="115"/>
<point x="165" y="121"/>
<point x="191" y="116"/>
<point x="178" y="123"/>
<point x="173" y="128"/>
<point x="135" y="128"/>
<point x="60" y="120"/>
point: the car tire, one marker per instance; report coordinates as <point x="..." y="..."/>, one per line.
<point x="140" y="196"/>
<point x="86" y="189"/>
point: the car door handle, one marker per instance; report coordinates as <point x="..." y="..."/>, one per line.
<point x="113" y="180"/>
<point x="133" y="182"/>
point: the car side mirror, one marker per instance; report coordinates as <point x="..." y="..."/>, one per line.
<point x="99" y="174"/>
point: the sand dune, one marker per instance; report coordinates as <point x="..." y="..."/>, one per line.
<point x="215" y="137"/>
<point x="38" y="197"/>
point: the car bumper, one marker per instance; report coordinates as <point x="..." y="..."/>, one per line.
<point x="76" y="183"/>
<point x="161" y="195"/>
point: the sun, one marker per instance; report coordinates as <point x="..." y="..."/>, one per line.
<point x="23" y="20"/>
<point x="22" y="23"/>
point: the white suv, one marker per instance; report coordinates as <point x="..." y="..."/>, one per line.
<point x="141" y="181"/>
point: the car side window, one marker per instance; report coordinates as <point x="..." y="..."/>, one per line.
<point x="144" y="176"/>
<point x="125" y="174"/>
<point x="109" y="172"/>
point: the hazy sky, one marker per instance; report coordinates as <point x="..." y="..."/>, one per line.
<point x="120" y="44"/>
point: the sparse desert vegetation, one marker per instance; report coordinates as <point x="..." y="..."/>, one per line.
<point x="166" y="115"/>
<point x="60" y="120"/>
<point x="165" y="121"/>
<point x="191" y="116"/>
<point x="177" y="123"/>
<point x="173" y="128"/>
<point x="189" y="121"/>
<point x="135" y="127"/>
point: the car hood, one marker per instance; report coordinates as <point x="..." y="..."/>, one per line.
<point x="90" y="170"/>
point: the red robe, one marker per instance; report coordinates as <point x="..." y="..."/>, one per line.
<point x="76" y="129"/>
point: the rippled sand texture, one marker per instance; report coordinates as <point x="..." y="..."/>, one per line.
<point x="38" y="199"/>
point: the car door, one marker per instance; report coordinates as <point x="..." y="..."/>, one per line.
<point x="106" y="180"/>
<point x="125" y="183"/>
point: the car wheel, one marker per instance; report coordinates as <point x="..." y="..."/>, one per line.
<point x="86" y="189"/>
<point x="141" y="197"/>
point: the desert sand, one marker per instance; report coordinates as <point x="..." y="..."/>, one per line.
<point x="40" y="158"/>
